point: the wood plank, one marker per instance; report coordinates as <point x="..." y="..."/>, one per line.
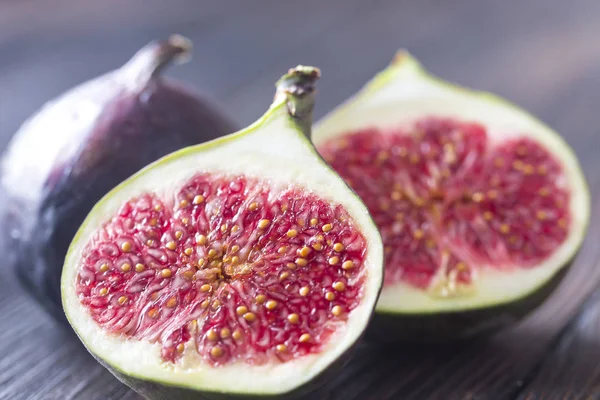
<point x="40" y="360"/>
<point x="571" y="370"/>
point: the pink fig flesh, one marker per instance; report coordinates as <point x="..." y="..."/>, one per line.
<point x="448" y="198"/>
<point x="229" y="268"/>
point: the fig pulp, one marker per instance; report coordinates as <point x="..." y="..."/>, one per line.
<point x="244" y="266"/>
<point x="81" y="145"/>
<point x="481" y="207"/>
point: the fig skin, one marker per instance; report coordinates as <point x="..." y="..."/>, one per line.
<point x="462" y="325"/>
<point x="152" y="390"/>
<point x="82" y="144"/>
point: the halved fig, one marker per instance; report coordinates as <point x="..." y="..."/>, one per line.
<point x="242" y="266"/>
<point x="481" y="206"/>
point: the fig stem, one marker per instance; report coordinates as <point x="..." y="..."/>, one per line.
<point x="150" y="61"/>
<point x="298" y="88"/>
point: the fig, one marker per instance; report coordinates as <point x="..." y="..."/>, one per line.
<point x="480" y="205"/>
<point x="244" y="266"/>
<point x="82" y="144"/>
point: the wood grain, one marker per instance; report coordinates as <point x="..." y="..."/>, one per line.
<point x="549" y="64"/>
<point x="572" y="370"/>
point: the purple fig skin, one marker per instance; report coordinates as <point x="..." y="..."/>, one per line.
<point x="79" y="146"/>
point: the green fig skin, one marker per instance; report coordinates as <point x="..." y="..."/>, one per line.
<point x="460" y="325"/>
<point x="159" y="391"/>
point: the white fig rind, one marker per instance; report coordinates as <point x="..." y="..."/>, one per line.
<point x="405" y="92"/>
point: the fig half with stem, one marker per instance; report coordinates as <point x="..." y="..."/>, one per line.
<point x="244" y="266"/>
<point x="82" y="144"/>
<point x="480" y="205"/>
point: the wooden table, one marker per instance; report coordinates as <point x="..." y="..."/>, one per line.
<point x="542" y="54"/>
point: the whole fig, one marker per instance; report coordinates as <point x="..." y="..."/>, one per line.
<point x="80" y="145"/>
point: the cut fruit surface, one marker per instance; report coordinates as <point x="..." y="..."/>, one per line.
<point x="479" y="204"/>
<point x="249" y="271"/>
<point x="245" y="258"/>
<point x="449" y="203"/>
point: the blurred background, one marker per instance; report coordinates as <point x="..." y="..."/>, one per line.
<point x="542" y="54"/>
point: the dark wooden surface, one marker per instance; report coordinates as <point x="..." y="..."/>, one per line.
<point x="542" y="54"/>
